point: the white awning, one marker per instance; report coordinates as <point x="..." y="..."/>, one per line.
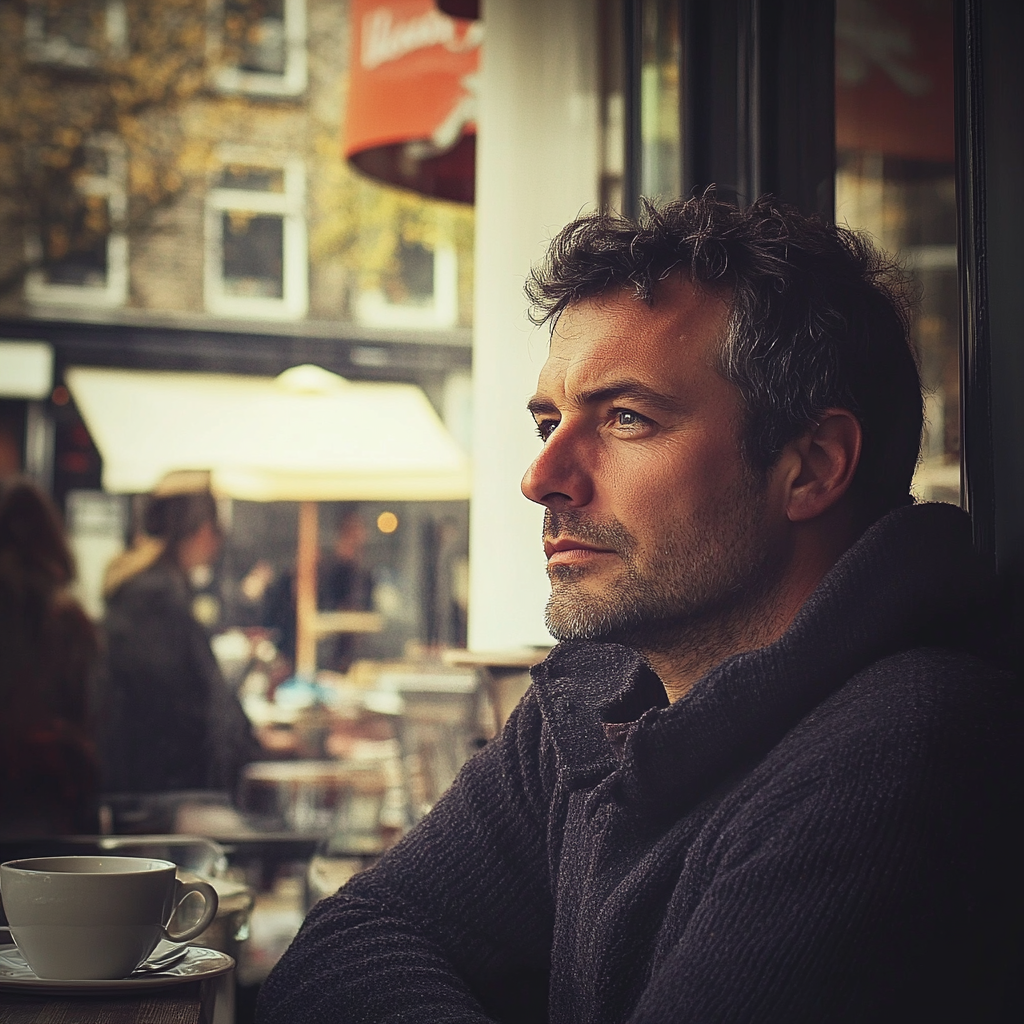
<point x="307" y="435"/>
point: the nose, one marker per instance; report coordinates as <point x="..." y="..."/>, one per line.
<point x="558" y="475"/>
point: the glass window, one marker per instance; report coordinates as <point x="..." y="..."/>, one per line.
<point x="419" y="290"/>
<point x="257" y="261"/>
<point x="80" y="253"/>
<point x="253" y="254"/>
<point x="413" y="279"/>
<point x="895" y="181"/>
<point x="74" y="34"/>
<point x="262" y="46"/>
<point x="74" y="240"/>
<point x="258" y="31"/>
<point x="640" y="74"/>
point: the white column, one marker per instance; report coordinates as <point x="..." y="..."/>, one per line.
<point x="537" y="169"/>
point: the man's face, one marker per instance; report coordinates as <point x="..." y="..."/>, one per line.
<point x="654" y="523"/>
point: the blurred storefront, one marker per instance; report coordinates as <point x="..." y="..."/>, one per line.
<point x="186" y="213"/>
<point x="176" y="196"/>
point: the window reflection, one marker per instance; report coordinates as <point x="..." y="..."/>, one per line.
<point x="660" y="144"/>
<point x="895" y="181"/>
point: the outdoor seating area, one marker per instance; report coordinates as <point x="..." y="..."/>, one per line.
<point x="389" y="741"/>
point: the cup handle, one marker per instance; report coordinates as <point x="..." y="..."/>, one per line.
<point x="209" y="894"/>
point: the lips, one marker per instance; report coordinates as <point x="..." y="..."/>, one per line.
<point x="567" y="549"/>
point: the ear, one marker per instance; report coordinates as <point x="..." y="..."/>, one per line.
<point x="823" y="462"/>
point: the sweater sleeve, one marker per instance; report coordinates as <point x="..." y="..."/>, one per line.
<point x="454" y="923"/>
<point x="859" y="880"/>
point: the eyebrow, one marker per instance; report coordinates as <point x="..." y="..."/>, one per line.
<point x="622" y="390"/>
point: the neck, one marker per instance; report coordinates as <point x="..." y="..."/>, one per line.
<point x="682" y="656"/>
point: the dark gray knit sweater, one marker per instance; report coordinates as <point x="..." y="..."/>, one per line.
<point x="826" y="829"/>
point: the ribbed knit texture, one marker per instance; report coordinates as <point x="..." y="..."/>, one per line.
<point x="823" y="830"/>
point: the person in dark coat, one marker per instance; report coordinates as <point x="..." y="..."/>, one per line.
<point x="772" y="772"/>
<point x="48" y="657"/>
<point x="170" y="723"/>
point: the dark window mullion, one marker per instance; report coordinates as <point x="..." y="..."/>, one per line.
<point x="633" y="39"/>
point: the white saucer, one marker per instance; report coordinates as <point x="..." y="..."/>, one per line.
<point x="197" y="964"/>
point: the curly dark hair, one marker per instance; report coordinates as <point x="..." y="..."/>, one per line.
<point x="819" y="319"/>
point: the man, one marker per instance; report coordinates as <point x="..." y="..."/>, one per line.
<point x="768" y="774"/>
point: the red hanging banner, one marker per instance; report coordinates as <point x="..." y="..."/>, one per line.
<point x="411" y="117"/>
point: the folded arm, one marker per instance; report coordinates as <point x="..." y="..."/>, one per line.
<point x="453" y="924"/>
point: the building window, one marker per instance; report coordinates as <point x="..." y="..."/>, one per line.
<point x="75" y="35"/>
<point x="260" y="46"/>
<point x="79" y="255"/>
<point x="256" y="261"/>
<point x="422" y="291"/>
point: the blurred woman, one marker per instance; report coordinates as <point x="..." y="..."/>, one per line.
<point x="170" y="723"/>
<point x="48" y="654"/>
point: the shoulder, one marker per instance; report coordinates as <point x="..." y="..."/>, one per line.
<point x="930" y="691"/>
<point x="923" y="729"/>
<point x="69" y="622"/>
<point x="920" y="752"/>
<point x="157" y="585"/>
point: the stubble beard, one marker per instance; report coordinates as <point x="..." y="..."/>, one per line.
<point x="697" y="590"/>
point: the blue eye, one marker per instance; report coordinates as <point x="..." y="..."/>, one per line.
<point x="628" y="418"/>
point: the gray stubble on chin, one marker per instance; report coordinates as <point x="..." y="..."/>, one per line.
<point x="574" y="614"/>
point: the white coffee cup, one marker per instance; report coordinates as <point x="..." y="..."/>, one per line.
<point x="86" y="918"/>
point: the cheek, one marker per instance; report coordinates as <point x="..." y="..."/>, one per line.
<point x="656" y="483"/>
<point x="643" y="482"/>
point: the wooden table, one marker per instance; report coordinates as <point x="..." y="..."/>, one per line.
<point x="204" y="1001"/>
<point x="180" y="1004"/>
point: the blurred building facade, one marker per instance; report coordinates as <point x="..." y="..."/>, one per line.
<point x="221" y="199"/>
<point x="174" y="196"/>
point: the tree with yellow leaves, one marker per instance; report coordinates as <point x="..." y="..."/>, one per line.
<point x="85" y="90"/>
<point x="95" y="93"/>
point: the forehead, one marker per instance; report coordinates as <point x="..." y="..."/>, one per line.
<point x="672" y="344"/>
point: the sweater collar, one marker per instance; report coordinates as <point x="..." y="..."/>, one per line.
<point x="911" y="579"/>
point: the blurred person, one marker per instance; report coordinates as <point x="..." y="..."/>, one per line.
<point x="772" y="770"/>
<point x="343" y="584"/>
<point x="169" y="721"/>
<point x="48" y="657"/>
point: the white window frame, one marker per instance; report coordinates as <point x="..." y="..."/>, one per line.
<point x="113" y="186"/>
<point x="261" y="83"/>
<point x="290" y="206"/>
<point x="59" y="51"/>
<point x="373" y="308"/>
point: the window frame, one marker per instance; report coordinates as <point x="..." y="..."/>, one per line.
<point x="373" y="309"/>
<point x="292" y="82"/>
<point x="113" y="186"/>
<point x="290" y="206"/>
